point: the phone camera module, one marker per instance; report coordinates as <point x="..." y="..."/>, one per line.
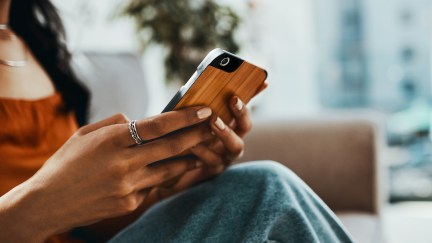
<point x="224" y="61"/>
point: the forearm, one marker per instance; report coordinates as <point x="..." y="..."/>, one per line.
<point x="20" y="218"/>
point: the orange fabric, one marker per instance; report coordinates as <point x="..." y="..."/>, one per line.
<point x="30" y="132"/>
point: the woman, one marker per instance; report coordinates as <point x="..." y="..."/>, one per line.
<point x="55" y="178"/>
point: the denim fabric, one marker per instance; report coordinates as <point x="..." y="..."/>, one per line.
<point x="252" y="202"/>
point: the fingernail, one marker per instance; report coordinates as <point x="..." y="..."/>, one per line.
<point x="212" y="133"/>
<point x="220" y="124"/>
<point x="204" y="113"/>
<point x="239" y="104"/>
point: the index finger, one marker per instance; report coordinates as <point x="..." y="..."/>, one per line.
<point x="165" y="123"/>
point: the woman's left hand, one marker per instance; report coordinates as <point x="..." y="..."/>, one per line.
<point x="217" y="155"/>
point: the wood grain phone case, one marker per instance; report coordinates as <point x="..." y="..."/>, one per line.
<point x="219" y="77"/>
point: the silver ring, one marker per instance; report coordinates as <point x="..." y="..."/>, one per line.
<point x="134" y="133"/>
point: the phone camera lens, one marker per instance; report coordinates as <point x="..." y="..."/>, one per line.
<point x="224" y="61"/>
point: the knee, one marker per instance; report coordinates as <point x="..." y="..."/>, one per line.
<point x="266" y="169"/>
<point x="262" y="173"/>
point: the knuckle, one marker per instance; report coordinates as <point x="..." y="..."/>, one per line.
<point x="175" y="146"/>
<point x="118" y="172"/>
<point x="228" y="132"/>
<point x="190" y="116"/>
<point x="128" y="203"/>
<point x="116" y="132"/>
<point x="218" y="160"/>
<point x="129" y="156"/>
<point x="217" y="169"/>
<point x="238" y="147"/>
<point x="123" y="188"/>
<point x="166" y="173"/>
<point x="79" y="132"/>
<point x="156" y="126"/>
<point x="106" y="137"/>
<point x="75" y="135"/>
<point x="120" y="118"/>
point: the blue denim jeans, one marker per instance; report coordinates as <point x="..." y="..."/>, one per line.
<point x="252" y="202"/>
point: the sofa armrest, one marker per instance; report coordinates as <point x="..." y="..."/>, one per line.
<point x="335" y="158"/>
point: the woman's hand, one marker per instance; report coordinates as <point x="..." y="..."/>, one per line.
<point x="228" y="143"/>
<point x="99" y="172"/>
<point x="213" y="156"/>
<point x="217" y="154"/>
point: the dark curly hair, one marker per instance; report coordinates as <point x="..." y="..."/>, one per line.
<point x="39" y="24"/>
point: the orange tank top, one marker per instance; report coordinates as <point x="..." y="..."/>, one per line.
<point x="30" y="132"/>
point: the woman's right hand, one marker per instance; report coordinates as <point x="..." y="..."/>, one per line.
<point x="100" y="173"/>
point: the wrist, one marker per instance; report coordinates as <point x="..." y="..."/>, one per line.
<point x="21" y="216"/>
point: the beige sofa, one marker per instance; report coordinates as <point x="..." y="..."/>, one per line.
<point x="335" y="157"/>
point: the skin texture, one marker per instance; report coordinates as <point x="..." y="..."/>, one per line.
<point x="100" y="173"/>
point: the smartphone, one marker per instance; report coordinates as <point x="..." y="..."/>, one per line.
<point x="219" y="77"/>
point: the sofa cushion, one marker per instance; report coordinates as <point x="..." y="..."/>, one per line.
<point x="116" y="82"/>
<point x="335" y="158"/>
